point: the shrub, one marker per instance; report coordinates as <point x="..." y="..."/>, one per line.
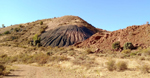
<point x="84" y="60"/>
<point x="88" y="51"/>
<point x="126" y="51"/>
<point x="49" y="53"/>
<point x="3" y="55"/>
<point x="71" y="48"/>
<point x="43" y="29"/>
<point x="72" y="53"/>
<point x="121" y="66"/>
<point x="10" y="38"/>
<point x="20" y="26"/>
<point x="128" y="45"/>
<point x="116" y="45"/>
<point x="17" y="29"/>
<point x="36" y="40"/>
<point x="110" y="65"/>
<point x="141" y="58"/>
<point x="41" y="23"/>
<point x="6" y="32"/>
<point x="133" y="54"/>
<point x="3" y="26"/>
<point x="144" y="68"/>
<point x="2" y="68"/>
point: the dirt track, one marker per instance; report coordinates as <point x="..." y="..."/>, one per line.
<point x="27" y="71"/>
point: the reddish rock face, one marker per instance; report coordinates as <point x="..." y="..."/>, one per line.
<point x="65" y="35"/>
<point x="137" y="35"/>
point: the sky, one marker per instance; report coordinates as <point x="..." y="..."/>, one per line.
<point x="105" y="14"/>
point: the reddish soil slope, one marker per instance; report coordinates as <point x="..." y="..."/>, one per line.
<point x="138" y="35"/>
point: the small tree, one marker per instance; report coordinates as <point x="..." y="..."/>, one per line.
<point x="147" y="23"/>
<point x="128" y="45"/>
<point x="3" y="26"/>
<point x="36" y="40"/>
<point x="41" y="23"/>
<point x="116" y="45"/>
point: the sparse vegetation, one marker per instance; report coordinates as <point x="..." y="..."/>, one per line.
<point x="3" y="26"/>
<point x="43" y="29"/>
<point x="144" y="68"/>
<point x="36" y="40"/>
<point x="6" y="32"/>
<point x="41" y="23"/>
<point x="128" y="45"/>
<point x="17" y="29"/>
<point x="126" y="51"/>
<point x="2" y="68"/>
<point x="3" y="71"/>
<point x="142" y="58"/>
<point x="121" y="66"/>
<point x="116" y="45"/>
<point x="88" y="51"/>
<point x="111" y="65"/>
<point x="71" y="53"/>
<point x="88" y="59"/>
<point x="10" y="38"/>
<point x="49" y="53"/>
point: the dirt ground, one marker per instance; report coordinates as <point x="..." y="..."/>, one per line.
<point x="27" y="71"/>
<point x="30" y="71"/>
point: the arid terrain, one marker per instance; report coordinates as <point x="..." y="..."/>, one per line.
<point x="69" y="47"/>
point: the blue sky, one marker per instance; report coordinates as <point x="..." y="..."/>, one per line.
<point x="106" y="14"/>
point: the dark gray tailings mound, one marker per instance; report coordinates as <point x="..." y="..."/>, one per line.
<point x="65" y="36"/>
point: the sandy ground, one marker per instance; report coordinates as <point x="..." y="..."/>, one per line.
<point x="27" y="71"/>
<point x="30" y="71"/>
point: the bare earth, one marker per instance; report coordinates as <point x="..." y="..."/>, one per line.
<point x="27" y="71"/>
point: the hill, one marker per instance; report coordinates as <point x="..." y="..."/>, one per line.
<point x="60" y="31"/>
<point x="67" y="30"/>
<point x="138" y="35"/>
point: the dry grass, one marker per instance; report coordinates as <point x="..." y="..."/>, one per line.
<point x="88" y="51"/>
<point x="144" y="68"/>
<point x="142" y="58"/>
<point x="110" y="65"/>
<point x="3" y="70"/>
<point x="126" y="51"/>
<point x="121" y="66"/>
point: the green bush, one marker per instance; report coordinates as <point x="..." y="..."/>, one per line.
<point x="41" y="23"/>
<point x="128" y="45"/>
<point x="6" y="32"/>
<point x="17" y="29"/>
<point x="116" y="45"/>
<point x="36" y="40"/>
